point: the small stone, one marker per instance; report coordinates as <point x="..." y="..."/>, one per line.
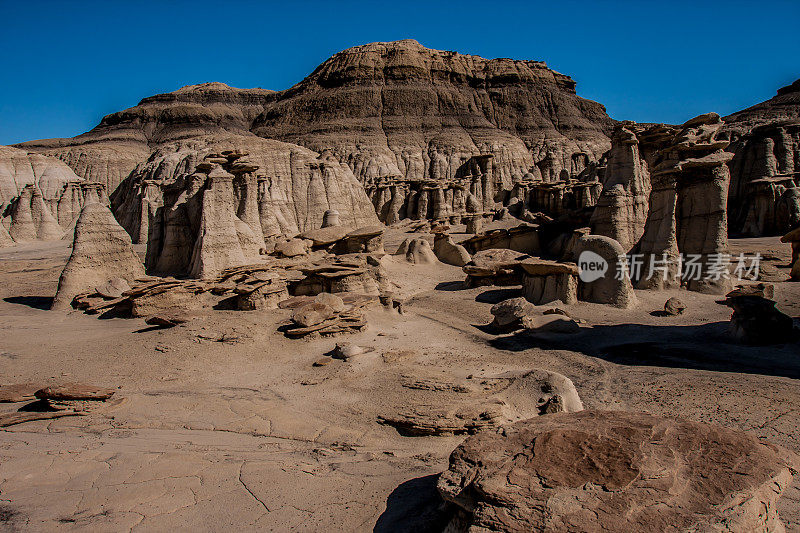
<point x="511" y="312"/>
<point x="674" y="307"/>
<point x="346" y="350"/>
<point x="322" y="361"/>
<point x="113" y="288"/>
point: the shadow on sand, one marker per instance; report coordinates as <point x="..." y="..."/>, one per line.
<point x="36" y="302"/>
<point x="415" y="505"/>
<point x="699" y="347"/>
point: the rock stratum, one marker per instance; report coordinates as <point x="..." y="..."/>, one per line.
<point x="396" y="110"/>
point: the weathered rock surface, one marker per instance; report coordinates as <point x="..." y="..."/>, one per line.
<point x="622" y="209"/>
<point x="417" y="251"/>
<point x="101" y="250"/>
<point x="615" y="471"/>
<point x="407" y="111"/>
<point x="511" y="312"/>
<point x="765" y="140"/>
<point x="503" y="398"/>
<point x="614" y="286"/>
<point x="448" y="252"/>
<point x="74" y="391"/>
<point x="392" y="111"/>
<point x="689" y="180"/>
<point x="20" y="168"/>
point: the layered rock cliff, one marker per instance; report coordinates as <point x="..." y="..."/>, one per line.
<point x="394" y="109"/>
<point x="402" y="110"/>
<point x="765" y="139"/>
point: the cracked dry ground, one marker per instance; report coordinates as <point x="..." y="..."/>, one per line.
<point x="246" y="433"/>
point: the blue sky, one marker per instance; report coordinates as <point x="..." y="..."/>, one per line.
<point x="67" y="64"/>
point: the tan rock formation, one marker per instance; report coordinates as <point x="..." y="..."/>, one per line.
<point x="622" y="209"/>
<point x="101" y="250"/>
<point x="448" y="252"/>
<point x="19" y="168"/>
<point x="765" y="139"/>
<point x="615" y="471"/>
<point x="275" y="188"/>
<point x="389" y="111"/>
<point x="401" y="128"/>
<point x="689" y="179"/>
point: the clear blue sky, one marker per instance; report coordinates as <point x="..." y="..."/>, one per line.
<point x="66" y="64"/>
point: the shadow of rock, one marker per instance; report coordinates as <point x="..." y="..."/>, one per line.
<point x="415" y="505"/>
<point x="699" y="347"/>
<point x="450" y="286"/>
<point x="495" y="296"/>
<point x="36" y="302"/>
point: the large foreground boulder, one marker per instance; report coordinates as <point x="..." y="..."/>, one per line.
<point x="101" y="251"/>
<point x="616" y="471"/>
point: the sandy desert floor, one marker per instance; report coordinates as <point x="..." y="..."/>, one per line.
<point x="225" y="422"/>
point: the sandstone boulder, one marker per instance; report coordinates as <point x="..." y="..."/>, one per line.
<point x="417" y="251"/>
<point x="449" y="252"/>
<point x="312" y="314"/>
<point x="614" y="286"/>
<point x="615" y="471"/>
<point x="755" y="320"/>
<point x="510" y="313"/>
<point x="674" y="307"/>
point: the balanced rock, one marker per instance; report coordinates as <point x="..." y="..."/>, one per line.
<point x="101" y="251"/>
<point x="615" y="471"/>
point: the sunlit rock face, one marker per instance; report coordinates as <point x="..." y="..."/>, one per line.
<point x="385" y="109"/>
<point x="399" y="109"/>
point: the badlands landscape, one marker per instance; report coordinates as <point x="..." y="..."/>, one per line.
<point x="417" y="291"/>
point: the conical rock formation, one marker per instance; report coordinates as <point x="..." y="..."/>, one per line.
<point x="101" y="251"/>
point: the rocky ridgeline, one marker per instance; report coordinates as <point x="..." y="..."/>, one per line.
<point x="431" y="134"/>
<point x="403" y="112"/>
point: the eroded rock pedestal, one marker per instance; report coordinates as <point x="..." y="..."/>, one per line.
<point x="615" y="471"/>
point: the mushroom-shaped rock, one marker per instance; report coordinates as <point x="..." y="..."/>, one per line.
<point x="101" y="250"/>
<point x="368" y="239"/>
<point x="615" y="471"/>
<point x="324" y="236"/>
<point x="546" y="281"/>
